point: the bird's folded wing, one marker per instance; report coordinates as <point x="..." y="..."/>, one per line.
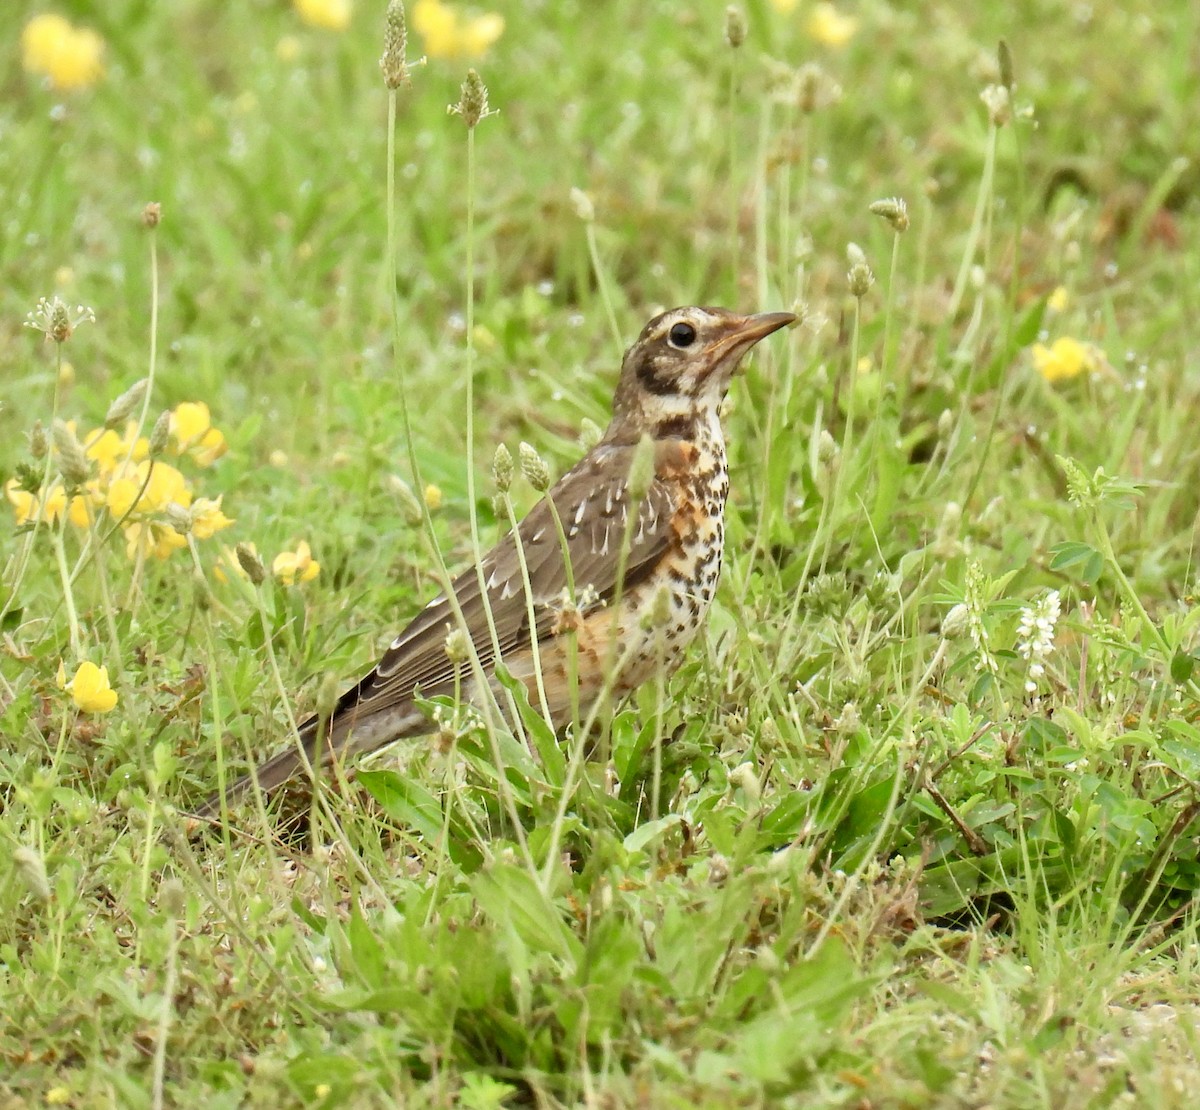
<point x="593" y="503"/>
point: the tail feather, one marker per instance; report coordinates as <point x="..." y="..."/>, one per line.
<point x="343" y="737"/>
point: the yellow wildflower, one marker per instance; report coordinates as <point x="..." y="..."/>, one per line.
<point x="192" y="430"/>
<point x="448" y="32"/>
<point x="28" y="506"/>
<point x="331" y="15"/>
<point x="1058" y="300"/>
<point x="207" y="518"/>
<point x="69" y="56"/>
<point x="165" y="485"/>
<point x="79" y="511"/>
<point x="109" y="450"/>
<point x="291" y="567"/>
<point x="156" y="539"/>
<point x="1065" y="358"/>
<point x="433" y="497"/>
<point x="24" y="503"/>
<point x="89" y="688"/>
<point x="830" y="27"/>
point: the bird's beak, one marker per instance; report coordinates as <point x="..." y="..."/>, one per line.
<point x="745" y="331"/>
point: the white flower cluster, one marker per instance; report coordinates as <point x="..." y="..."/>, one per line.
<point x="976" y="601"/>
<point x="1035" y="636"/>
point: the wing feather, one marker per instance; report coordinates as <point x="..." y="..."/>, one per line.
<point x="593" y="502"/>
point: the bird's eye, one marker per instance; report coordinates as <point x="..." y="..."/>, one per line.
<point x="682" y="335"/>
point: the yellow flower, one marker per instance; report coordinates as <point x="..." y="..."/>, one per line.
<point x="69" y="56"/>
<point x="1065" y="358"/>
<point x="207" y="518"/>
<point x="153" y="538"/>
<point x="79" y="512"/>
<point x="332" y="15"/>
<point x="28" y="506"/>
<point x="829" y="27"/>
<point x="165" y="485"/>
<point x="433" y="497"/>
<point x="24" y="503"/>
<point x="1058" y="300"/>
<point x="110" y="450"/>
<point x="448" y="32"/>
<point x="191" y="427"/>
<point x="291" y="567"/>
<point x="89" y="688"/>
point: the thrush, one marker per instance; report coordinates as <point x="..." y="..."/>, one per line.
<point x="643" y="564"/>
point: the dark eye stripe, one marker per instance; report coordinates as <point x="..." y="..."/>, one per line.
<point x="653" y="382"/>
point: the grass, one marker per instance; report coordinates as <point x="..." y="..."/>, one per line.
<point x="843" y="856"/>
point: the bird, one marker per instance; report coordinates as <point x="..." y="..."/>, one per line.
<point x="641" y="545"/>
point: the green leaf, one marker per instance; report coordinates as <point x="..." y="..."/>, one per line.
<point x="1084" y="559"/>
<point x="1182" y="665"/>
<point x="411" y="805"/>
<point x="1030" y="324"/>
<point x="511" y="897"/>
<point x="315" y="923"/>
<point x="645" y="835"/>
<point x="370" y="960"/>
<point x="554" y="763"/>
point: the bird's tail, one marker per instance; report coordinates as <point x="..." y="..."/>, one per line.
<point x="312" y="753"/>
<point x="279" y="769"/>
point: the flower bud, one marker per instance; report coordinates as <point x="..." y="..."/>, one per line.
<point x="126" y="405"/>
<point x="998" y="103"/>
<point x="32" y="869"/>
<point x="409" y="505"/>
<point x="160" y="434"/>
<point x="72" y="459"/>
<point x="38" y="444"/>
<point x="537" y="474"/>
<point x="582" y="203"/>
<point x="859" y="277"/>
<point x="827" y="447"/>
<point x="892" y="209"/>
<point x="659" y="612"/>
<point x="172" y="898"/>
<point x="745" y="776"/>
<point x="179" y="517"/>
<point x="502" y="468"/>
<point x="395" y="43"/>
<point x="956" y="622"/>
<point x="249" y="561"/>
<point x="735" y="26"/>
<point x="641" y="469"/>
<point x="152" y="215"/>
<point x="473" y="101"/>
<point x="328" y="694"/>
<point x="457" y="650"/>
<point x="590" y="433"/>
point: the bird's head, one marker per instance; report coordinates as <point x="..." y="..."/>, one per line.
<point x="681" y="365"/>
